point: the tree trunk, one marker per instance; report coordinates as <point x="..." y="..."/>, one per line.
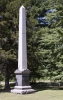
<point x="7" y="86"/>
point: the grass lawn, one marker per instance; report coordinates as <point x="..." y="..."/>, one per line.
<point x="43" y="93"/>
<point x="40" y="95"/>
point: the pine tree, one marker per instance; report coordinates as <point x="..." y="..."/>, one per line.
<point x="9" y="37"/>
<point x="51" y="39"/>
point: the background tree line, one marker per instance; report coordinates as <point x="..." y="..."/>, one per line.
<point x="44" y="21"/>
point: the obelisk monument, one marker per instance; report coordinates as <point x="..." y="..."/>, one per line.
<point x="22" y="73"/>
<point x="22" y="50"/>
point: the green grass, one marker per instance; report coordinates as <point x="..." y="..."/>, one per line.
<point x="40" y="95"/>
<point x="43" y="93"/>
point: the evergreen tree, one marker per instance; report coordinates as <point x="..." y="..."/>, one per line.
<point x="9" y="36"/>
<point x="44" y="41"/>
<point x="8" y="42"/>
<point x="51" y="39"/>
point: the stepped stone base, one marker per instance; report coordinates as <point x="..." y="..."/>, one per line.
<point x="22" y="83"/>
<point x="25" y="91"/>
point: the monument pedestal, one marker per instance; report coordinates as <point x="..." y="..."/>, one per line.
<point x="22" y="73"/>
<point x="22" y="83"/>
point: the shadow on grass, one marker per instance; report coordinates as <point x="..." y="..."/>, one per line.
<point x="2" y="89"/>
<point x="40" y="86"/>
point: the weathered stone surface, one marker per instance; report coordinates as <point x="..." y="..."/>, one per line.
<point x="19" y="91"/>
<point x="22" y="73"/>
<point x="22" y="45"/>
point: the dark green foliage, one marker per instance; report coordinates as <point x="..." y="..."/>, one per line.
<point x="9" y="36"/>
<point x="51" y="41"/>
<point x="44" y="43"/>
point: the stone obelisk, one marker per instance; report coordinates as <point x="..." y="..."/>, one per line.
<point x="22" y="73"/>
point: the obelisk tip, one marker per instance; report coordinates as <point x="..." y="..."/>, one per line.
<point x="22" y="7"/>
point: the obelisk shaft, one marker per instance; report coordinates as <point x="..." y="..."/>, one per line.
<point x="22" y="73"/>
<point x="22" y="49"/>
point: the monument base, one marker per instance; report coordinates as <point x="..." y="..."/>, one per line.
<point x="20" y="91"/>
<point x="22" y="83"/>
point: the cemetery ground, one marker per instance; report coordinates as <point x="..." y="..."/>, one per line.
<point x="44" y="91"/>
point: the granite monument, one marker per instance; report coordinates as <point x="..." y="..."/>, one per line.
<point x="22" y="73"/>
